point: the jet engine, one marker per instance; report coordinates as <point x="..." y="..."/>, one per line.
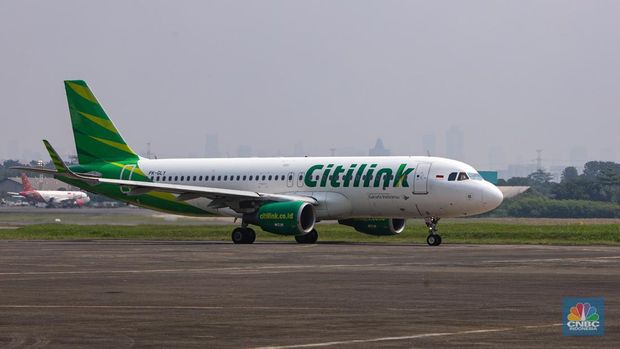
<point x="286" y="218"/>
<point x="376" y="226"/>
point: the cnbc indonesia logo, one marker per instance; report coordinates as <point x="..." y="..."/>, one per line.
<point x="583" y="317"/>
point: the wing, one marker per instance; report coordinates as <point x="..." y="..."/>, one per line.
<point x="238" y="200"/>
<point x="188" y="192"/>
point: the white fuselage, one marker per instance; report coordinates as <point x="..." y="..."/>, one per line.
<point x="425" y="189"/>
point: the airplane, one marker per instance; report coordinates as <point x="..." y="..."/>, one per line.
<point x="282" y="195"/>
<point x="52" y="198"/>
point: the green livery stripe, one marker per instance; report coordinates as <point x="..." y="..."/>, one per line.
<point x="96" y="137"/>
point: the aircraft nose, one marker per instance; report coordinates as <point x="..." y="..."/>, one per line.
<point x="493" y="197"/>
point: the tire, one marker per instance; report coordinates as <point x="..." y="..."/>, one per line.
<point x="438" y="240"/>
<point x="431" y="240"/>
<point x="251" y="235"/>
<point x="309" y="238"/>
<point x="238" y="236"/>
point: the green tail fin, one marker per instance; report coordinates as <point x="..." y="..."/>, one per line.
<point x="96" y="137"/>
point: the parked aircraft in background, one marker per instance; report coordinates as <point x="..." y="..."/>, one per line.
<point x="374" y="195"/>
<point x="52" y="198"/>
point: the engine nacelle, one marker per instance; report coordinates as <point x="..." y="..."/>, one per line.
<point x="286" y="218"/>
<point x="376" y="226"/>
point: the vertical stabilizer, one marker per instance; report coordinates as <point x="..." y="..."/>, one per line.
<point x="96" y="137"/>
<point x="26" y="183"/>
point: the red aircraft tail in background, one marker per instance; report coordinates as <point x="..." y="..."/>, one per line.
<point x="26" y="183"/>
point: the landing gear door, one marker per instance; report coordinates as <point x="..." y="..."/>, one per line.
<point x="126" y="174"/>
<point x="420" y="178"/>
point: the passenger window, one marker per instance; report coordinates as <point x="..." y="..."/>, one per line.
<point x="194" y="178"/>
<point x="269" y="177"/>
<point x="158" y="178"/>
<point x="219" y="178"/>
<point x="212" y="178"/>
<point x="452" y="176"/>
<point x="176" y="178"/>
<point x="282" y="177"/>
<point x="225" y="178"/>
<point x="200" y="178"/>
<point x="251" y="177"/>
<point x="290" y="177"/>
<point x="244" y="177"/>
<point x="206" y="178"/>
<point x="238" y="177"/>
<point x="463" y="176"/>
<point x="263" y="177"/>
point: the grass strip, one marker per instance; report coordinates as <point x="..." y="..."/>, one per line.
<point x="471" y="233"/>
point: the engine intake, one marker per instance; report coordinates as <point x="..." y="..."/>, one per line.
<point x="376" y="226"/>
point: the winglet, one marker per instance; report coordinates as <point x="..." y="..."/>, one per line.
<point x="61" y="168"/>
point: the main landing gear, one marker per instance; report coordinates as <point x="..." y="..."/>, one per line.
<point x="433" y="239"/>
<point x="309" y="238"/>
<point x="243" y="235"/>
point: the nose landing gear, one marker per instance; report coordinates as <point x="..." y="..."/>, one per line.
<point x="433" y="238"/>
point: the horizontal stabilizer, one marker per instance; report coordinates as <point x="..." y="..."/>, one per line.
<point x="512" y="191"/>
<point x="34" y="169"/>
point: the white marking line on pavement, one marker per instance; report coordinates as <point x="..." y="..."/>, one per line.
<point x="182" y="307"/>
<point x="401" y="338"/>
<point x="198" y="270"/>
<point x="578" y="259"/>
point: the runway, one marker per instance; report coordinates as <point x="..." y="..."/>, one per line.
<point x="282" y="295"/>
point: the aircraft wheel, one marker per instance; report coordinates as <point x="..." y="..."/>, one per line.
<point x="309" y="238"/>
<point x="243" y="236"/>
<point x="251" y="234"/>
<point x="433" y="240"/>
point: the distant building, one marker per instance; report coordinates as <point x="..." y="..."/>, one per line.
<point x="455" y="143"/>
<point x="244" y="151"/>
<point x="429" y="144"/>
<point x="10" y="185"/>
<point x="517" y="170"/>
<point x="379" y="149"/>
<point x="212" y="146"/>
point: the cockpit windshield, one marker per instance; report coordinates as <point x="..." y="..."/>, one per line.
<point x="475" y="176"/>
<point x="463" y="176"/>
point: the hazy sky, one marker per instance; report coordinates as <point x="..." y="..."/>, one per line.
<point x="513" y="76"/>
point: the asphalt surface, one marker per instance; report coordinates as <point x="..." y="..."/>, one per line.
<point x="182" y="294"/>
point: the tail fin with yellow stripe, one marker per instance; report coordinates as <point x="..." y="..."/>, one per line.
<point x="96" y="137"/>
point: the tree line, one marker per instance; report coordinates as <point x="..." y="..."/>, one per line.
<point x="595" y="193"/>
